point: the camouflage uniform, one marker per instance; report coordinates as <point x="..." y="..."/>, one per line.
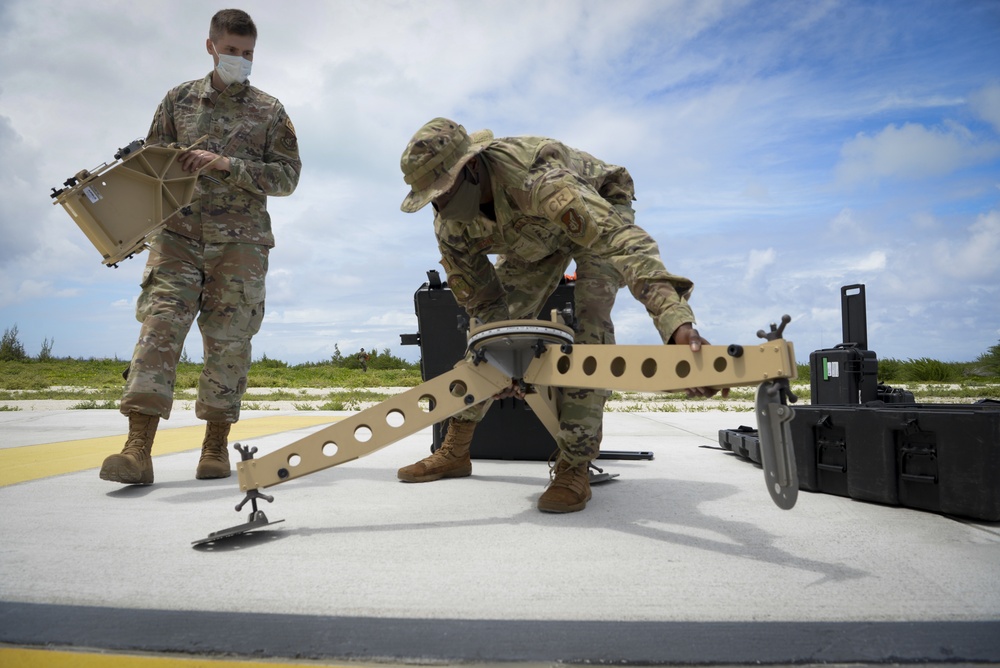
<point x="211" y="263"/>
<point x="553" y="204"/>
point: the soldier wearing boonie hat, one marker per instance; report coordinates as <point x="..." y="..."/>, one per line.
<point x="434" y="159"/>
<point x="537" y="204"/>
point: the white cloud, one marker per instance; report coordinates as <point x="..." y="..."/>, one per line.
<point x="846" y="224"/>
<point x="872" y="262"/>
<point x="911" y="151"/>
<point x="728" y="114"/>
<point x="985" y="103"/>
<point x="758" y="261"/>
<point x="977" y="256"/>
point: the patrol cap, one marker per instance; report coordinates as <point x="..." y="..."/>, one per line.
<point x="434" y="157"/>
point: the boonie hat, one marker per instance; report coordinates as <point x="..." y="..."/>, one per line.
<point x="434" y="157"/>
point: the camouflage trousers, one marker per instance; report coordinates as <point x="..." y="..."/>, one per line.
<point x="223" y="286"/>
<point x="528" y="287"/>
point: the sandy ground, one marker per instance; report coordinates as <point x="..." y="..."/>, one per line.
<point x="307" y="399"/>
<point x="319" y="398"/>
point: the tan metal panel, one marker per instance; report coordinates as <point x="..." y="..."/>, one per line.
<point x="119" y="205"/>
<point x="661" y="368"/>
<point x="374" y="428"/>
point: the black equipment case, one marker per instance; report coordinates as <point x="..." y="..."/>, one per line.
<point x="939" y="457"/>
<point x="510" y="429"/>
<point x="848" y="373"/>
<point x="870" y="442"/>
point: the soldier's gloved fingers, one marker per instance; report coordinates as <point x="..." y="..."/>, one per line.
<point x="704" y="392"/>
<point x="504" y="393"/>
<point x="515" y="389"/>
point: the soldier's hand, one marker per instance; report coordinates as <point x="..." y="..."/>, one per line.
<point x="687" y="335"/>
<point x="195" y="159"/>
<point x="516" y="390"/>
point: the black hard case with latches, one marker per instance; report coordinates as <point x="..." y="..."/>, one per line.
<point x="510" y="429"/>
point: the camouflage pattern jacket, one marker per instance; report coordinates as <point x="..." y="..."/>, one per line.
<point x="552" y="199"/>
<point x="250" y="128"/>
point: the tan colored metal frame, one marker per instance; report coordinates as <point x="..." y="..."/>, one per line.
<point x="119" y="205"/>
<point x="474" y="380"/>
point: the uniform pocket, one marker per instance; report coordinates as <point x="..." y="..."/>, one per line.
<point x="533" y="240"/>
<point x="249" y="312"/>
<point x="145" y="295"/>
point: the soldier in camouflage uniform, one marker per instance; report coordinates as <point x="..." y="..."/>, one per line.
<point x="211" y="261"/>
<point x="538" y="204"/>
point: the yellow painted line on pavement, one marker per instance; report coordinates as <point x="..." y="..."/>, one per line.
<point x="32" y="462"/>
<point x="38" y="658"/>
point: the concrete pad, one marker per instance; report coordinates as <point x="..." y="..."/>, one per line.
<point x="681" y="559"/>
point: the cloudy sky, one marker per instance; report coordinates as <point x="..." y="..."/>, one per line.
<point x="780" y="151"/>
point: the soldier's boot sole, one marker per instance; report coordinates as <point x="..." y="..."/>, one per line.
<point x="451" y="460"/>
<point x="417" y="472"/>
<point x="127" y="470"/>
<point x="551" y="503"/>
<point x="210" y="469"/>
<point x="569" y="490"/>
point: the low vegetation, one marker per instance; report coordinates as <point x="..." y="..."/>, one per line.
<point x="340" y="383"/>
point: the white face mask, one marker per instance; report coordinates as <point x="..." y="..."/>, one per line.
<point x="232" y="69"/>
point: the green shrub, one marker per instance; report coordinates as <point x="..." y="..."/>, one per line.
<point x="890" y="369"/>
<point x="928" y="370"/>
<point x="11" y="348"/>
<point x="268" y="363"/>
<point x="90" y="404"/>
<point x="45" y="354"/>
<point x="990" y="360"/>
<point x="805" y="373"/>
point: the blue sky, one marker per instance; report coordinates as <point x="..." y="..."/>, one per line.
<point x="780" y="150"/>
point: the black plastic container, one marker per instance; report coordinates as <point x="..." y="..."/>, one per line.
<point x="510" y="429"/>
<point x="843" y="376"/>
<point x="939" y="457"/>
<point x="846" y="374"/>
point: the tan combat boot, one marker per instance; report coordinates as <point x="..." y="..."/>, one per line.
<point x="451" y="460"/>
<point x="214" y="462"/>
<point x="134" y="466"/>
<point x="569" y="490"/>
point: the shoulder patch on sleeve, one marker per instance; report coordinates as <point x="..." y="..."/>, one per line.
<point x="554" y="205"/>
<point x="460" y="288"/>
<point x="576" y="225"/>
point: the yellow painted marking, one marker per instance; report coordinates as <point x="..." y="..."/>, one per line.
<point x="38" y="658"/>
<point x="32" y="462"/>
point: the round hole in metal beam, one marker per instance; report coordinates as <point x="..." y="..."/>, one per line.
<point x="330" y="449"/>
<point x="457" y="389"/>
<point x="720" y="364"/>
<point x="395" y="418"/>
<point x="590" y="366"/>
<point x="683" y="369"/>
<point x="562" y="366"/>
<point x="363" y="433"/>
<point x="649" y="367"/>
<point x="618" y="367"/>
<point x="294" y="460"/>
<point x="426" y="403"/>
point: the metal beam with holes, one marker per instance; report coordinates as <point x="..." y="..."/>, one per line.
<point x="542" y="355"/>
